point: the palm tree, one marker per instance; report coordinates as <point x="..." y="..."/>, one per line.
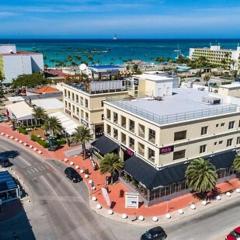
<point x="236" y="164"/>
<point x="201" y="175"/>
<point x="39" y="114"/>
<point x="82" y="135"/>
<point x="111" y="163"/>
<point x="53" y="125"/>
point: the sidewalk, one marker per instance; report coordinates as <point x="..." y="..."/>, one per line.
<point x="118" y="202"/>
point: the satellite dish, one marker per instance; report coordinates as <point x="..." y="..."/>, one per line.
<point x="83" y="67"/>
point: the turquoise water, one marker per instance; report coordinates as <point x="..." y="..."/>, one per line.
<point x="113" y="52"/>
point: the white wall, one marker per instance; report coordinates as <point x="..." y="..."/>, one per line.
<point x="37" y="62"/>
<point x="15" y="65"/>
<point x="6" y="49"/>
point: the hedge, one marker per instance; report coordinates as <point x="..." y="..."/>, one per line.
<point x="22" y="130"/>
<point x="39" y="141"/>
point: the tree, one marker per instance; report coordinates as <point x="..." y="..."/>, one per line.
<point x="82" y="135"/>
<point x="201" y="176"/>
<point x="236" y="164"/>
<point x="29" y="80"/>
<point x="111" y="163"/>
<point x="53" y="125"/>
<point x="39" y="114"/>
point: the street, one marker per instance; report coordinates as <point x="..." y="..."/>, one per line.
<point x="59" y="209"/>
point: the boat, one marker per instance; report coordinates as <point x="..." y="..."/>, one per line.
<point x="115" y="37"/>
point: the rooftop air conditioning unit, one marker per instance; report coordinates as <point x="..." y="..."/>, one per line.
<point x="211" y="100"/>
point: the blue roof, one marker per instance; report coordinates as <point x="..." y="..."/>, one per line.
<point x="7" y="182"/>
<point x="109" y="67"/>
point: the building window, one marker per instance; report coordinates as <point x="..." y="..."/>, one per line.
<point x="203" y="148"/>
<point x="141" y="130"/>
<point x="222" y="124"/>
<point x="123" y="122"/>
<point x="81" y="101"/>
<point x="231" y="125"/>
<point x="115" y="117"/>
<point x="239" y="123"/>
<point x="68" y="94"/>
<point x="73" y="96"/>
<point x="77" y="98"/>
<point x="141" y="149"/>
<point x="180" y="135"/>
<point x="131" y="143"/>
<point x="108" y="114"/>
<point x="215" y="143"/>
<point x="204" y="130"/>
<point x="115" y="133"/>
<point x="131" y="126"/>
<point x="229" y="142"/>
<point x="220" y="142"/>
<point x="86" y="103"/>
<point x="86" y="116"/>
<point x="151" y="155"/>
<point x="108" y="130"/>
<point x="102" y="103"/>
<point x="65" y="104"/>
<point x="102" y="116"/>
<point x="123" y="138"/>
<point x="151" y="135"/>
<point x="69" y="106"/>
<point x="179" y="154"/>
<point x="217" y="125"/>
<point x="238" y="140"/>
<point x="73" y="107"/>
<point x="65" y="92"/>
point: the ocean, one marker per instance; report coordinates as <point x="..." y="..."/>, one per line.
<point x="113" y="52"/>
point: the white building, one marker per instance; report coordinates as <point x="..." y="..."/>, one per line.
<point x="217" y="56"/>
<point x="14" y="63"/>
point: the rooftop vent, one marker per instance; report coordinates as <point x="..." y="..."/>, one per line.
<point x="211" y="100"/>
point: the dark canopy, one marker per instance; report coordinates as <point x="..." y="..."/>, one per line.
<point x="105" y="145"/>
<point x="153" y="178"/>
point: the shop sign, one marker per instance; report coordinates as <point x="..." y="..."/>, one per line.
<point x="167" y="149"/>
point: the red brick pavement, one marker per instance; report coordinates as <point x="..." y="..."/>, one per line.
<point x="114" y="190"/>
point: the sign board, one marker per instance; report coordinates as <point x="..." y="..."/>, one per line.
<point x="167" y="149"/>
<point x="131" y="200"/>
<point x="106" y="196"/>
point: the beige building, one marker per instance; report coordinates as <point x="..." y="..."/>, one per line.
<point x="232" y="89"/>
<point x="216" y="55"/>
<point x="158" y="137"/>
<point x="86" y="105"/>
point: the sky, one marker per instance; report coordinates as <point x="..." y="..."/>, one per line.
<point x="127" y="19"/>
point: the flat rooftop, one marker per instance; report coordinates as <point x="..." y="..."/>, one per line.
<point x="156" y="76"/>
<point x="183" y="105"/>
<point x="105" y="68"/>
<point x="234" y="85"/>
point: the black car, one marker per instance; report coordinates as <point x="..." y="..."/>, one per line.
<point x="72" y="174"/>
<point x="156" y="233"/>
<point x="4" y="162"/>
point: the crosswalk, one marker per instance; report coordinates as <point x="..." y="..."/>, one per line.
<point x="35" y="171"/>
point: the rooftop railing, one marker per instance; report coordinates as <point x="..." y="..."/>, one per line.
<point x="178" y="117"/>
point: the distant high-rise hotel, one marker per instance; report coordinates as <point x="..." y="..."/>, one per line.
<point x="14" y="63"/>
<point x="220" y="57"/>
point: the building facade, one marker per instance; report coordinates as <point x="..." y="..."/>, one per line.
<point x="158" y="138"/>
<point x="14" y="63"/>
<point x="86" y="105"/>
<point x="217" y="56"/>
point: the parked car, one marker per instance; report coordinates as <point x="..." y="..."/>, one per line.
<point x="72" y="174"/>
<point x="4" y="162"/>
<point x="234" y="235"/>
<point x="156" y="233"/>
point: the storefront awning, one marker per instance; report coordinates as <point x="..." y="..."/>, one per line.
<point x="105" y="145"/>
<point x="153" y="178"/>
<point x="6" y="182"/>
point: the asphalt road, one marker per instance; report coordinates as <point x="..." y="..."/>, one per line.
<point x="59" y="209"/>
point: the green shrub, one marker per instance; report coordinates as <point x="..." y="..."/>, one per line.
<point x="39" y="141"/>
<point x="61" y="141"/>
<point x="22" y="130"/>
